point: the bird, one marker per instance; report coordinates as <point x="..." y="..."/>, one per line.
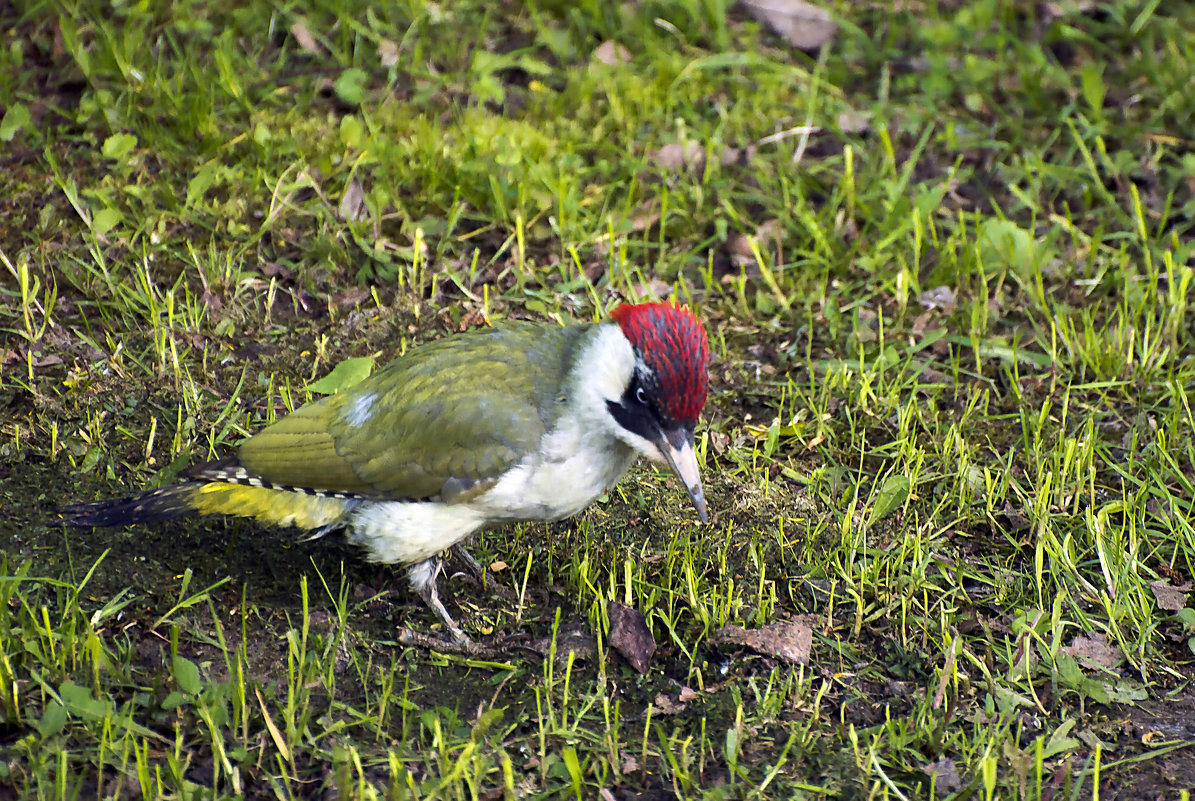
<point x="514" y="422"/>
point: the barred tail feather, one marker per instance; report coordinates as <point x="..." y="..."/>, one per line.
<point x="280" y="507"/>
<point x="144" y="507"/>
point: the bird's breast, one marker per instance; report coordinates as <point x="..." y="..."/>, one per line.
<point x="566" y="474"/>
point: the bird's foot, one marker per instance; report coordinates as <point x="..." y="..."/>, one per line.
<point x="478" y="574"/>
<point x="499" y="647"/>
<point x="452" y="644"/>
<point x="423" y="579"/>
<point x="465" y="558"/>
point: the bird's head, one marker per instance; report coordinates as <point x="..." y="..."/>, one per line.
<point x="665" y="390"/>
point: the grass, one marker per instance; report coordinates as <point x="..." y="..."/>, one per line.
<point x="946" y="267"/>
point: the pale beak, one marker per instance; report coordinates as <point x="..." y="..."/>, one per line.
<point x="677" y="446"/>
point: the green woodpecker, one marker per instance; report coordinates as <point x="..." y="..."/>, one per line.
<point x="520" y="422"/>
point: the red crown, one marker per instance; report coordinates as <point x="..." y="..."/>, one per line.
<point x="672" y="342"/>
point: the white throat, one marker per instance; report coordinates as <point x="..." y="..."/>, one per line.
<point x="602" y="373"/>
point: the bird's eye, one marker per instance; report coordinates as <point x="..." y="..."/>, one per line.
<point x="641" y="396"/>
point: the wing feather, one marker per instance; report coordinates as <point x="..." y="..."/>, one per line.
<point x="453" y="413"/>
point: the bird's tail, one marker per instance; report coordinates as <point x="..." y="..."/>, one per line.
<point x="278" y="506"/>
<point x="144" y="507"/>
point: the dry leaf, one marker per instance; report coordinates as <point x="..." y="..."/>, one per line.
<point x="940" y="297"/>
<point x="569" y="640"/>
<point x="854" y="122"/>
<point x="675" y="157"/>
<point x="1055" y="10"/>
<point x="351" y="297"/>
<point x="1014" y="520"/>
<point x="474" y="319"/>
<point x="921" y="323"/>
<point x="303" y="36"/>
<point x="498" y="566"/>
<point x="1169" y="597"/>
<point x="211" y="300"/>
<point x="1093" y="650"/>
<point x="738" y="247"/>
<point x="611" y="53"/>
<point x="805" y="26"/>
<point x="732" y="156"/>
<point x="352" y="202"/>
<point x="630" y="636"/>
<point x="594" y="270"/>
<point x="641" y="222"/>
<point x="788" y="641"/>
<point x="666" y="706"/>
<point x="654" y="288"/>
<point x="388" y="53"/>
<point x="686" y="695"/>
<point x="948" y="780"/>
<point x="272" y="269"/>
<point x="929" y="375"/>
<point x="47" y="361"/>
<point x="770" y="231"/>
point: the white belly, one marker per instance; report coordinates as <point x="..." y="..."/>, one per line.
<point x="566" y="475"/>
<point x="404" y="532"/>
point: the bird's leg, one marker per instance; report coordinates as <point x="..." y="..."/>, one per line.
<point x="422" y="576"/>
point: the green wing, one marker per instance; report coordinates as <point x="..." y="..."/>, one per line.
<point x="444" y="420"/>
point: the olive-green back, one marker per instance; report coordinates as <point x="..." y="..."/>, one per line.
<point x="464" y="408"/>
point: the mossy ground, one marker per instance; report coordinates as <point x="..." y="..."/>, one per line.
<point x="945" y="262"/>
